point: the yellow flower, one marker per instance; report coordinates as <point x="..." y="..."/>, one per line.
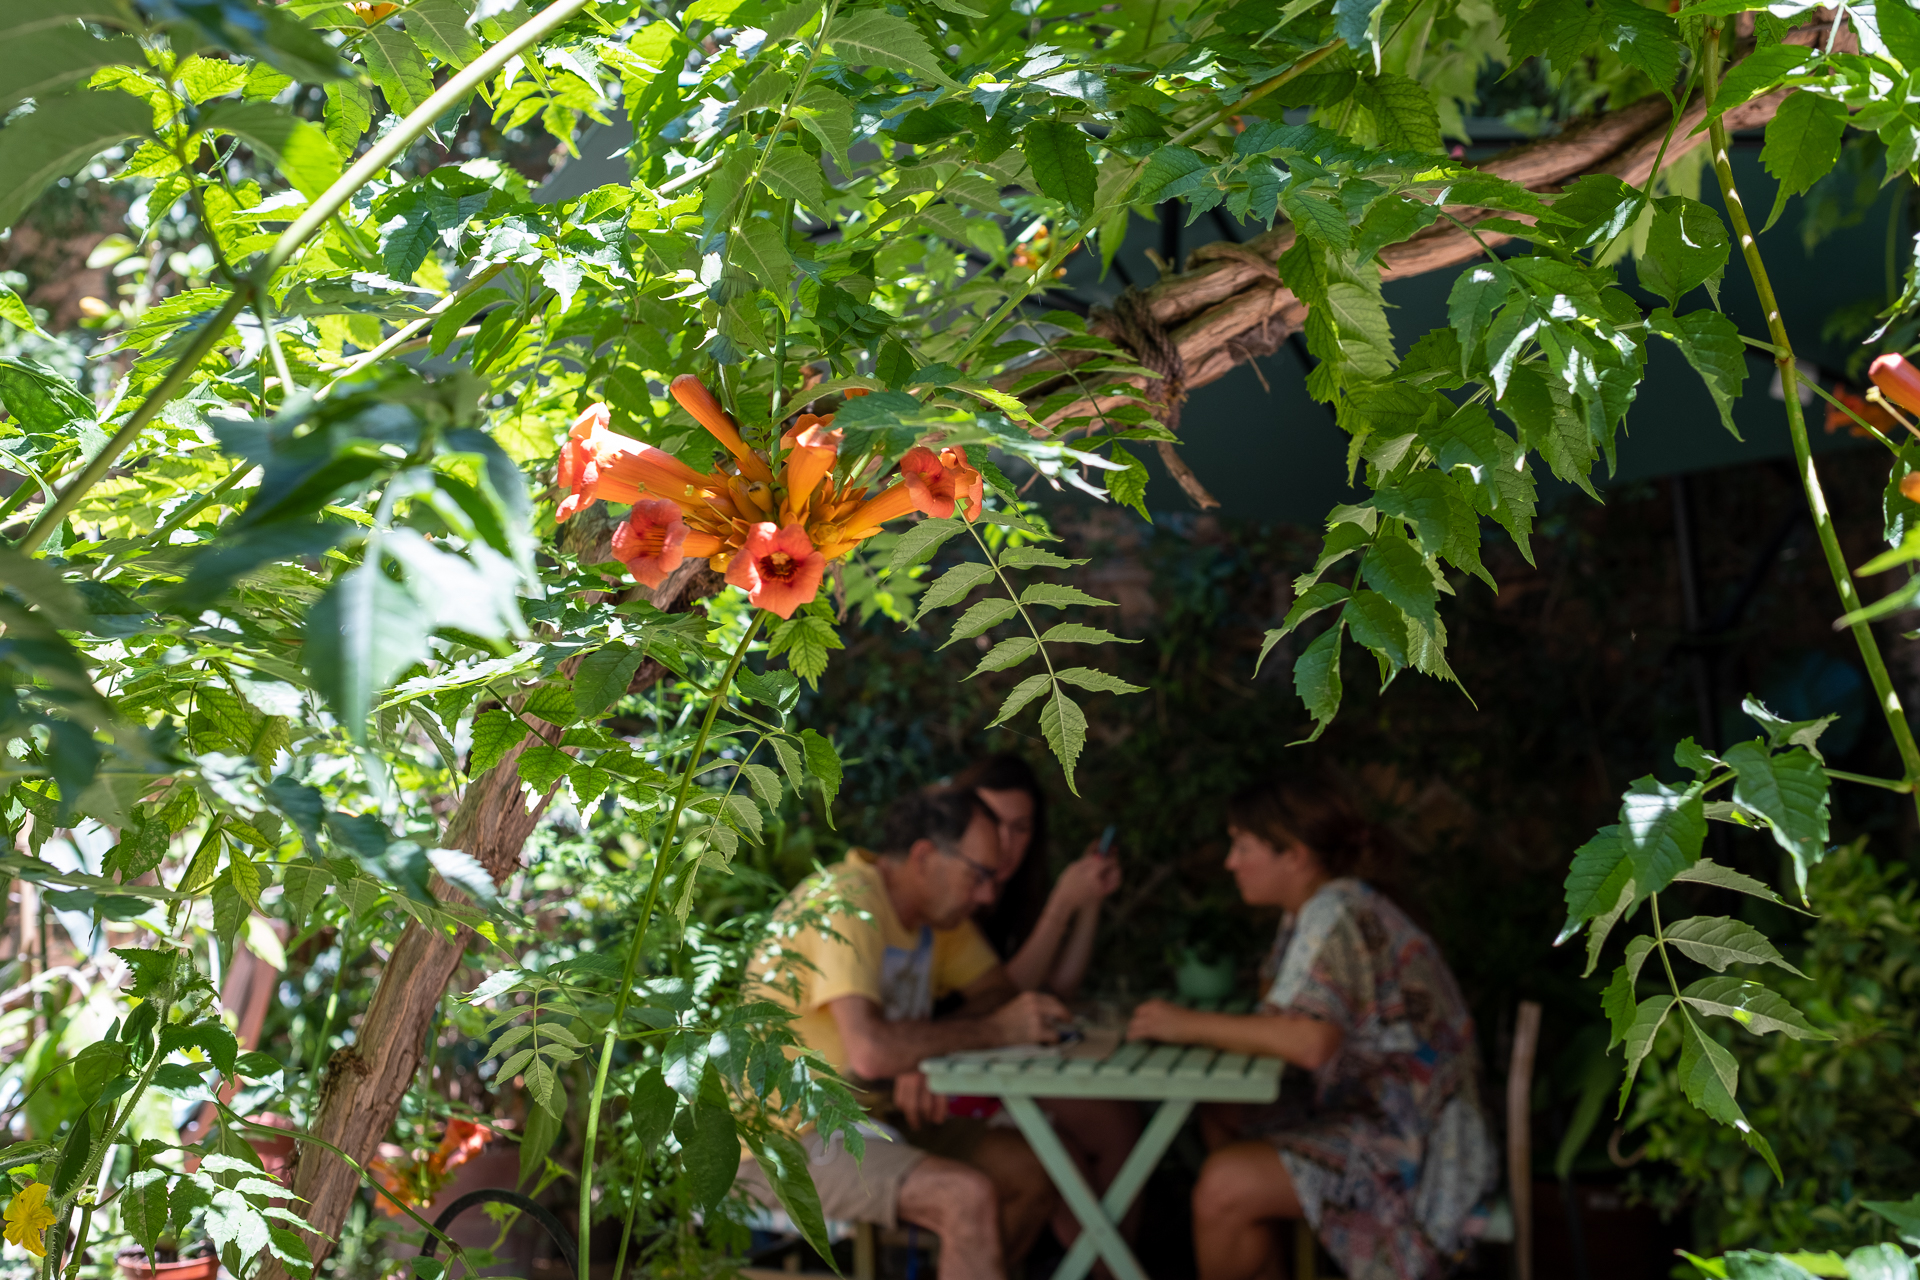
<point x="27" y="1217"/>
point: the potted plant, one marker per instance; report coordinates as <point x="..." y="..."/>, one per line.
<point x="171" y="1261"/>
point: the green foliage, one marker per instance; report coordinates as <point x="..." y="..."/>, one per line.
<point x="1831" y="1104"/>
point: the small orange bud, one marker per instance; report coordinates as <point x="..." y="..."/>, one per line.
<point x="1898" y="381"/>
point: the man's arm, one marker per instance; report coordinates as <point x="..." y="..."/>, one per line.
<point x="879" y="1050"/>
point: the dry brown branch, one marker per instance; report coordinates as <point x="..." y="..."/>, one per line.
<point x="1230" y="306"/>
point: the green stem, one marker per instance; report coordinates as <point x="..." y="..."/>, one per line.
<point x="661" y="859"/>
<point x="331" y="201"/>
<point x="1863" y="636"/>
<point x="1887" y="784"/>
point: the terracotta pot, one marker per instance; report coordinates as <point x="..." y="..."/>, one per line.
<point x="134" y="1266"/>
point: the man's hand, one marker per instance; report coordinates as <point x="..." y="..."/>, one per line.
<point x="1159" y="1020"/>
<point x="918" y="1103"/>
<point x="1033" y="1017"/>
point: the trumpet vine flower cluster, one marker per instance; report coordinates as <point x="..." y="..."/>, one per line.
<point x="771" y="532"/>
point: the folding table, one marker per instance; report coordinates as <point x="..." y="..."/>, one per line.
<point x="1175" y="1076"/>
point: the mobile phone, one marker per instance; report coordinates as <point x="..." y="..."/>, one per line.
<point x="1106" y="840"/>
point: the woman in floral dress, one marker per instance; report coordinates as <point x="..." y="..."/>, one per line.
<point x="1378" y="1140"/>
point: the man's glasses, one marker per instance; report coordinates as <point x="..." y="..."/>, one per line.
<point x="985" y="873"/>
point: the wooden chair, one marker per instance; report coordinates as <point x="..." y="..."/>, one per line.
<point x="1518" y="1202"/>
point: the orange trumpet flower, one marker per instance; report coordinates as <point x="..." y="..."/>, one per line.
<point x="596" y="464"/>
<point x="709" y="413"/>
<point x="939" y="483"/>
<point x="779" y="569"/>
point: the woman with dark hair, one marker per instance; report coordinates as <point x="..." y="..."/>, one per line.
<point x="1045" y="936"/>
<point x="1383" y="1147"/>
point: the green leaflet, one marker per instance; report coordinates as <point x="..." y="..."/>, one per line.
<point x="1803" y="143"/>
<point x="874" y="37"/>
<point x="1023" y="693"/>
<point x="362" y="633"/>
<point x="1403" y="113"/>
<point x="44" y="62"/>
<point x="792" y="174"/>
<point x="397" y="68"/>
<point x="1662" y="828"/>
<point x="1374" y="622"/>
<point x="953" y="586"/>
<point x="1601" y="868"/>
<point x="1717" y="942"/>
<point x="55" y="140"/>
<point x="1711" y="343"/>
<point x="1687" y="246"/>
<point x="1638" y="1038"/>
<point x="1008" y="653"/>
<point x="1057" y="154"/>
<point x="1789" y="790"/>
<point x="1065" y="727"/>
<point x="1316" y="678"/>
<point x="1481" y="288"/>
<point x="440" y="27"/>
<point x="1753" y="1006"/>
<point x="1755" y="74"/>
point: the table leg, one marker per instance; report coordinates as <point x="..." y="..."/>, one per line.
<point x="1146" y="1154"/>
<point x="1099" y="1219"/>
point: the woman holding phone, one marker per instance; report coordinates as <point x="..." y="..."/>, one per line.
<point x="1378" y="1138"/>
<point x="1045" y="935"/>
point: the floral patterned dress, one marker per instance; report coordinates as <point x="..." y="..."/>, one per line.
<point x="1389" y="1149"/>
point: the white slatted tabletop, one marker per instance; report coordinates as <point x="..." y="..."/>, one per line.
<point x="1175" y="1076"/>
<point x="1147" y="1073"/>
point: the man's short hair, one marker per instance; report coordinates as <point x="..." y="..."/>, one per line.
<point x="939" y="814"/>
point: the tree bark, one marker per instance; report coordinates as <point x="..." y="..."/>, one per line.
<point x="364" y="1083"/>
<point x="1230" y="306"/>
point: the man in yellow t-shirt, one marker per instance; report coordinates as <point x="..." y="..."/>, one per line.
<point x="899" y="934"/>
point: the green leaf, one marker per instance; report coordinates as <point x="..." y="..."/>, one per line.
<point x="1398" y="571"/>
<point x="1900" y="30"/>
<point x="1358" y="23"/>
<point x="784" y="1161"/>
<point x="1789" y="790"/>
<point x="42" y="63"/>
<point x="1663" y="828"/>
<point x="1023" y="693"/>
<point x="495" y="733"/>
<point x="1075" y="633"/>
<point x="654" y="1105"/>
<point x="1638" y="1037"/>
<point x="874" y="37"/>
<point x="58" y="138"/>
<point x="1601" y="868"/>
<point x="1316" y="678"/>
<point x="1480" y="289"/>
<point x="541" y="766"/>
<point x="1008" y="653"/>
<point x="1707" y="871"/>
<point x="823" y="762"/>
<point x="1059" y="597"/>
<point x="918" y="543"/>
<point x="1753" y="1006"/>
<point x="1099" y="681"/>
<point x="603" y="676"/>
<point x="1755" y="74"/>
<point x="1643" y="38"/>
<point x="1171" y="172"/>
<point x="1376" y="623"/>
<point x="980" y="616"/>
<point x="1129" y="485"/>
<point x="709" y="1151"/>
<point x="1317" y="218"/>
<point x="1803" y="143"/>
<point x="806" y="640"/>
<point x="953" y="585"/>
<point x="1781" y="733"/>
<point x="1709" y="1075"/>
<point x="397" y="68"/>
<point x="1717" y="942"/>
<point x="1618" y="1004"/>
<point x="143" y="1207"/>
<point x="362" y="633"/>
<point x="1057" y="154"/>
<point x="1065" y="727"/>
<point x="790" y="173"/>
<point x="543" y="1127"/>
<point x="1403" y="113"/>
<point x="440" y="26"/>
<point x="1687" y="246"/>
<point x="348" y="112"/>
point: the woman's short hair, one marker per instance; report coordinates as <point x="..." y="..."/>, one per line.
<point x="939" y="814"/>
<point x="1316" y="812"/>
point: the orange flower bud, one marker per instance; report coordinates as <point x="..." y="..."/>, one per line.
<point x="1898" y="381"/>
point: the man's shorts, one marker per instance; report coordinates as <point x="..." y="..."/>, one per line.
<point x="866" y="1190"/>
